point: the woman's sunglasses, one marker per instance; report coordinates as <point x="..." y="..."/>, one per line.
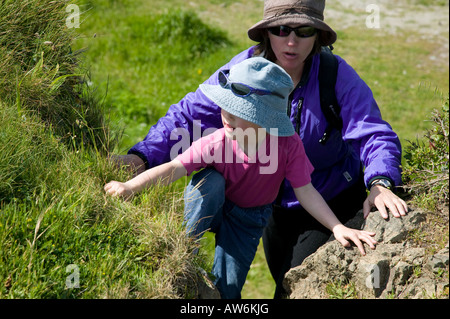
<point x="301" y="32"/>
<point x="241" y="89"/>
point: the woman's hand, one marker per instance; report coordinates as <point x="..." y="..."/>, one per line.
<point x="114" y="188"/>
<point x="343" y="234"/>
<point x="381" y="197"/>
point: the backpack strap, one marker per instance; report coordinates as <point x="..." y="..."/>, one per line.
<point x="328" y="102"/>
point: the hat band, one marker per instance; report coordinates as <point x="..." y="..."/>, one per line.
<point x="274" y="12"/>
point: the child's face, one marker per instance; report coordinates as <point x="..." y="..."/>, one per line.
<point x="231" y="122"/>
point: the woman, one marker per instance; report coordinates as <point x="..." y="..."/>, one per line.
<point x="365" y="154"/>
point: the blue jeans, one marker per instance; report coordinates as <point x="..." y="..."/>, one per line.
<point x="238" y="230"/>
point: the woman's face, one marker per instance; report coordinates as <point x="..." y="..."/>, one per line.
<point x="291" y="51"/>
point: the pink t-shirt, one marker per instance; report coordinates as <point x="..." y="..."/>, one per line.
<point x="251" y="181"/>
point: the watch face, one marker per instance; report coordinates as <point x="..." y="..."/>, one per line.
<point x="383" y="182"/>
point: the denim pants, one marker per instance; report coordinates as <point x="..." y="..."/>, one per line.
<point x="238" y="230"/>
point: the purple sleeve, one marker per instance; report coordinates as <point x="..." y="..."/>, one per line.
<point x="372" y="137"/>
<point x="194" y="113"/>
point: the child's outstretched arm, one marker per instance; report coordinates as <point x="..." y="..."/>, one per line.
<point x="313" y="202"/>
<point x="165" y="174"/>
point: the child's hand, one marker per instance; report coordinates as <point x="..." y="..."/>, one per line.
<point x="118" y="189"/>
<point x="343" y="234"/>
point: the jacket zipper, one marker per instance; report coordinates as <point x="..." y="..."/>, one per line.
<point x="291" y="97"/>
<point x="299" y="115"/>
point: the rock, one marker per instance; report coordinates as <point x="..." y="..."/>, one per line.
<point x="372" y="274"/>
<point x="392" y="230"/>
<point x="395" y="269"/>
<point x="205" y="287"/>
<point x="438" y="261"/>
<point x="421" y="288"/>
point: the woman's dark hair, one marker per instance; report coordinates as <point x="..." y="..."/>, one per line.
<point x="264" y="47"/>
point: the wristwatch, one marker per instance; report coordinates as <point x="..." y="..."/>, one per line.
<point x="382" y="182"/>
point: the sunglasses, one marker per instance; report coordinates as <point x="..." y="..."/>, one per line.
<point x="301" y="32"/>
<point x="241" y="89"/>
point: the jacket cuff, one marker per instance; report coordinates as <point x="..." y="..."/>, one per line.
<point x="141" y="156"/>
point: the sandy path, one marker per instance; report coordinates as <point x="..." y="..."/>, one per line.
<point x="394" y="17"/>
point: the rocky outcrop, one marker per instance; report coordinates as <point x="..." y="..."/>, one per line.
<point x="395" y="269"/>
<point x="205" y="287"/>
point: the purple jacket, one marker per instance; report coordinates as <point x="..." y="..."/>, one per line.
<point x="366" y="141"/>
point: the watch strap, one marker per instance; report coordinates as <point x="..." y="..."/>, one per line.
<point x="381" y="180"/>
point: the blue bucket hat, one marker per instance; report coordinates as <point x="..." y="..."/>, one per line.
<point x="266" y="104"/>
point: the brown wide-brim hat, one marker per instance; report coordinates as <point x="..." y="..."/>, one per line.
<point x="293" y="12"/>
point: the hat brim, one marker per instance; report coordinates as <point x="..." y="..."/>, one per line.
<point x="328" y="36"/>
<point x="250" y="109"/>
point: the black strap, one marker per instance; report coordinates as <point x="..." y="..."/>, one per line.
<point x="328" y="102"/>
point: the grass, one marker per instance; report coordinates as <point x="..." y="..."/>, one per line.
<point x="141" y="56"/>
<point x="341" y="290"/>
<point x="122" y="251"/>
<point x="55" y="219"/>
<point x="430" y="2"/>
<point x="426" y="174"/>
<point x="58" y="127"/>
<point x="54" y="214"/>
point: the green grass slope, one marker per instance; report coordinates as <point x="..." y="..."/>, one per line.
<point x="60" y="236"/>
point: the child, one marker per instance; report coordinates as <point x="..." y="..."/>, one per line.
<point x="253" y="97"/>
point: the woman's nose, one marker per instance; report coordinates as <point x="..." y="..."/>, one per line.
<point x="292" y="39"/>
